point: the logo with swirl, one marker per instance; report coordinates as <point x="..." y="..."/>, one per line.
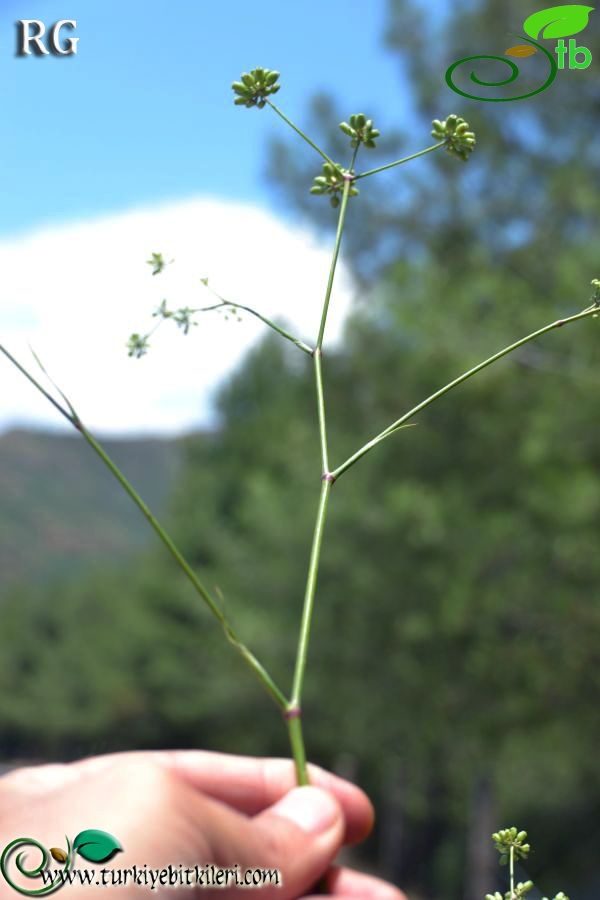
<point x="92" y="844"/>
<point x="551" y="23"/>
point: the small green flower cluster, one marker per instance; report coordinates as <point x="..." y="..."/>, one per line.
<point x="509" y="838"/>
<point x="456" y="133"/>
<point x="182" y="316"/>
<point x="520" y="890"/>
<point x="596" y="295"/>
<point x="157" y="262"/>
<point x="509" y="841"/>
<point x="332" y="182"/>
<point x="360" y="130"/>
<point x="137" y="345"/>
<point x="254" y="87"/>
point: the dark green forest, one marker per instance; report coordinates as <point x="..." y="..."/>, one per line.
<point x="455" y="666"/>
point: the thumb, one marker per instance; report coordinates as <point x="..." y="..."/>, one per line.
<point x="299" y="835"/>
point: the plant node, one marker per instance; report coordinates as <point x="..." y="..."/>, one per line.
<point x="332" y="182"/>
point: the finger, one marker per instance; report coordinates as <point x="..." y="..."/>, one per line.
<point x="38" y="779"/>
<point x="252" y="784"/>
<point x="347" y="884"/>
<point x="299" y="836"/>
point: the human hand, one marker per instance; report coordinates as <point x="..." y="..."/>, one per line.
<point x="191" y="808"/>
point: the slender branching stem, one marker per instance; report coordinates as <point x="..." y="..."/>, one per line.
<point x="285" y="334"/>
<point x="317" y="356"/>
<point x="299" y="131"/>
<point x="400" y="162"/>
<point x="512" y="873"/>
<point x="590" y="311"/>
<point x="230" y="304"/>
<point x="354" y="155"/>
<point x="67" y="415"/>
<point x="294" y="723"/>
<point x="248" y="657"/>
<point x="72" y="417"/>
<point x="336" y="252"/>
<point x="253" y="312"/>
<point x="309" y="596"/>
<point x="296" y="738"/>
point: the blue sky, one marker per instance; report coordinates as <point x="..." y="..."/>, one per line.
<point x="143" y="113"/>
<point x="134" y="145"/>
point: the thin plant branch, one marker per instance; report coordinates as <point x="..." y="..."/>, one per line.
<point x="321" y="411"/>
<point x="589" y="311"/>
<point x="309" y="596"/>
<point x="253" y="312"/>
<point x="399" y="162"/>
<point x="336" y="252"/>
<point x="71" y="416"/>
<point x="301" y="133"/>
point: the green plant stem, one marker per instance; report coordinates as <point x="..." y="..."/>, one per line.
<point x="253" y="312"/>
<point x="248" y="657"/>
<point x="353" y="160"/>
<point x="301" y="133"/>
<point x="37" y="385"/>
<point x="400" y="162"/>
<point x="294" y="725"/>
<point x="336" y="253"/>
<point x="72" y="417"/>
<point x="317" y="356"/>
<point x="273" y="325"/>
<point x="590" y="311"/>
<point x="512" y="873"/>
<point x="309" y="596"/>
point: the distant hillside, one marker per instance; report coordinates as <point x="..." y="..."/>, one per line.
<point x="60" y="508"/>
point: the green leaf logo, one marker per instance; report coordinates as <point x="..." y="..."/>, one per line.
<point x="557" y="21"/>
<point x="95" y="845"/>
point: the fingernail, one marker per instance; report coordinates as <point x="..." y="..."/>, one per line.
<point x="311" y="808"/>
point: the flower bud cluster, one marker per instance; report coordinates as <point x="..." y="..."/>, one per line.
<point x="510" y="837"/>
<point x="137" y="345"/>
<point x="254" y="87"/>
<point x="332" y="182"/>
<point x="361" y="130"/>
<point x="456" y="134"/>
<point x="522" y="888"/>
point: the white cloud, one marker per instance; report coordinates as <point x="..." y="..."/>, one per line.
<point x="76" y="292"/>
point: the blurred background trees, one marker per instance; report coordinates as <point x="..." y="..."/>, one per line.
<point x="454" y="669"/>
